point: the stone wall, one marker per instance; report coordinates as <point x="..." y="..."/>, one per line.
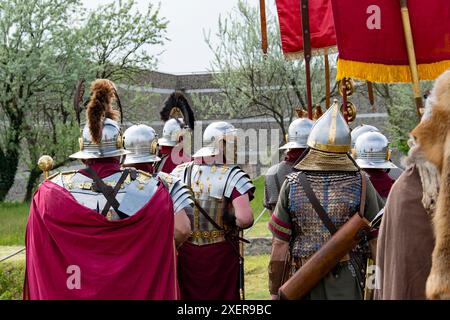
<point x="158" y="86"/>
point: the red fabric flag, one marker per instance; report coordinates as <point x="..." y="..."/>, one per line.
<point x="372" y="44"/>
<point x="73" y="252"/>
<point x="320" y="21"/>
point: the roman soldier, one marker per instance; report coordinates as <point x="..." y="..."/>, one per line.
<point x="101" y="232"/>
<point x="141" y="140"/>
<point x="210" y="264"/>
<point x="298" y="133"/>
<point x="174" y="145"/>
<point x="373" y="156"/>
<point x="329" y="186"/>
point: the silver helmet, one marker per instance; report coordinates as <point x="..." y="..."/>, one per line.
<point x="111" y="144"/>
<point x="214" y="134"/>
<point x="173" y="129"/>
<point x="142" y="141"/>
<point x="331" y="132"/>
<point x="359" y="130"/>
<point x="372" y="151"/>
<point x="298" y="133"/>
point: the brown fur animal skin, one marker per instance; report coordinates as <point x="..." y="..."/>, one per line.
<point x="438" y="283"/>
<point x="100" y="107"/>
<point x="433" y="138"/>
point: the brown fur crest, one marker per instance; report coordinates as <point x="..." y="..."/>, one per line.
<point x="100" y="107"/>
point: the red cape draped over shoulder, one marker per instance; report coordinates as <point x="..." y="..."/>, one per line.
<point x="133" y="258"/>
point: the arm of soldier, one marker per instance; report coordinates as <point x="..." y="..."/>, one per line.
<point x="373" y="205"/>
<point x="280" y="226"/>
<point x="243" y="211"/>
<point x="182" y="226"/>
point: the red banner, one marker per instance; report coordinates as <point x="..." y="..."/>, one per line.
<point x="320" y="21"/>
<point x="371" y="40"/>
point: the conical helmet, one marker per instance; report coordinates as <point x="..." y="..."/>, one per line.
<point x="142" y="141"/>
<point x="331" y="132"/>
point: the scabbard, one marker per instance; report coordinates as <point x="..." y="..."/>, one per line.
<point x="325" y="259"/>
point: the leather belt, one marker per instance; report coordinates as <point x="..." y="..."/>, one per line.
<point x="207" y="234"/>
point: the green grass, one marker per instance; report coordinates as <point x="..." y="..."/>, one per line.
<point x="260" y="228"/>
<point x="13" y="220"/>
<point x="256" y="277"/>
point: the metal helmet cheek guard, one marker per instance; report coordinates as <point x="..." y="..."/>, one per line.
<point x="141" y="140"/>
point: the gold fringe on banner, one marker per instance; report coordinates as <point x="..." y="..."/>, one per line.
<point x="375" y="72"/>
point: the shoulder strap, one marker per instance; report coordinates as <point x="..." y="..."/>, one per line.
<point x="362" y="202"/>
<point x="316" y="204"/>
<point x="108" y="192"/>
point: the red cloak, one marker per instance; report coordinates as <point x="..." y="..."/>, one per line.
<point x="133" y="258"/>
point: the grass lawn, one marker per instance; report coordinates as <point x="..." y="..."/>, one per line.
<point x="13" y="220"/>
<point x="260" y="228"/>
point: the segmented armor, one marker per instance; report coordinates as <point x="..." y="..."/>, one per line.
<point x="212" y="186"/>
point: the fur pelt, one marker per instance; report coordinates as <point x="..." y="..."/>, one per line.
<point x="100" y="107"/>
<point x="432" y="136"/>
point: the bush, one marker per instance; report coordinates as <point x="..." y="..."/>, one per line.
<point x="11" y="280"/>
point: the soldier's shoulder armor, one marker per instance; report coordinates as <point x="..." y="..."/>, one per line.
<point x="61" y="176"/>
<point x="238" y="179"/>
<point x="178" y="190"/>
<point x="180" y="170"/>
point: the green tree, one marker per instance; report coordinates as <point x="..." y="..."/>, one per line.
<point x="254" y="84"/>
<point x="45" y="47"/>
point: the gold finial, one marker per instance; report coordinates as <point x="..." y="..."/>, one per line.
<point x="45" y="163"/>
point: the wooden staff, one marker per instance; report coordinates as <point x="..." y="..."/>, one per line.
<point x="411" y="56"/>
<point x="262" y="12"/>
<point x="307" y="53"/>
<point x="327" y="79"/>
<point x="370" y="91"/>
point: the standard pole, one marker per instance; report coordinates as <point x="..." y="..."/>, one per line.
<point x="327" y="79"/>
<point x="411" y="56"/>
<point x="262" y="12"/>
<point x="307" y="53"/>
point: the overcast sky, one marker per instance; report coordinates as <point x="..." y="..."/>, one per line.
<point x="186" y="51"/>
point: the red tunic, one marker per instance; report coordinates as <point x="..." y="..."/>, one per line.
<point x="172" y="157"/>
<point x="133" y="258"/>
